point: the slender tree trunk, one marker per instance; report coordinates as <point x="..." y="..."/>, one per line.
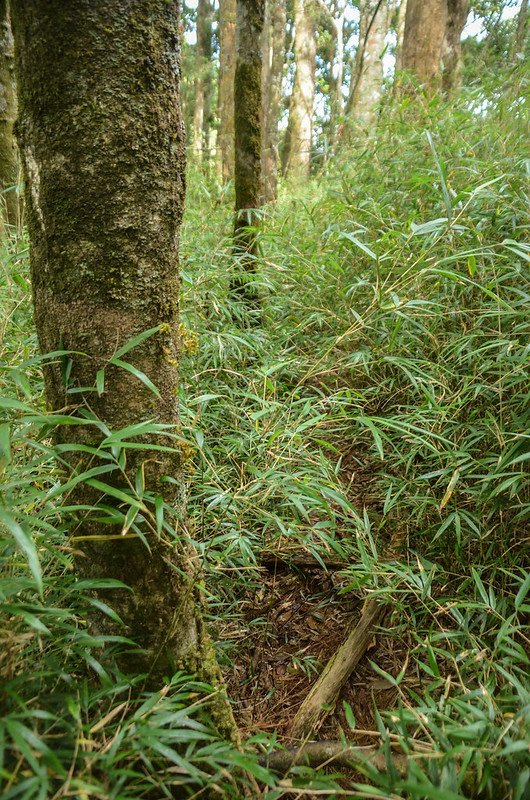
<point x="248" y="141"/>
<point x="8" y="113"/>
<point x="299" y="136"/>
<point x="227" y="71"/>
<point x="457" y="11"/>
<point x="367" y="83"/>
<point x="425" y="25"/>
<point x="337" y="78"/>
<point x="203" y="81"/>
<point x="522" y="28"/>
<point x="102" y="142"/>
<point x="402" y="10"/>
<point x="273" y="55"/>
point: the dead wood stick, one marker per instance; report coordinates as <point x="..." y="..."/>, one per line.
<point x="317" y="754"/>
<point x="272" y="560"/>
<point x="337" y="670"/>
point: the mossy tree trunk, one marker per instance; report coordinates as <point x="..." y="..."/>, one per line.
<point x="227" y="70"/>
<point x="299" y="135"/>
<point x="423" y="41"/>
<point x="203" y="81"/>
<point x="248" y="143"/>
<point x="457" y="11"/>
<point x="367" y="81"/>
<point x="9" y="167"/>
<point x="102" y="143"/>
<point x="273" y="55"/>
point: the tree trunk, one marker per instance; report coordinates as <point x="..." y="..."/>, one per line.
<point x="102" y="143"/>
<point x="336" y="77"/>
<point x="402" y="10"/>
<point x="203" y="81"/>
<point x="299" y="136"/>
<point x="8" y="114"/>
<point x="425" y="25"/>
<point x="227" y="71"/>
<point x="367" y="84"/>
<point x="457" y="11"/>
<point x="519" y="46"/>
<point x="248" y="130"/>
<point x="273" y="56"/>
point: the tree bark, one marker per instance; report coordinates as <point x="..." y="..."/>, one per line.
<point x="367" y="83"/>
<point x="457" y="11"/>
<point x="102" y="143"/>
<point x="425" y="25"/>
<point x="203" y="81"/>
<point x="248" y="141"/>
<point x="227" y="71"/>
<point x="337" y="78"/>
<point x="273" y="56"/>
<point x="9" y="165"/>
<point x="299" y="135"/>
<point x="402" y="10"/>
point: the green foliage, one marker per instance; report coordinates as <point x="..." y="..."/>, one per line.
<point x="394" y="341"/>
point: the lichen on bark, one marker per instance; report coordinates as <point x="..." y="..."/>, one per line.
<point x="102" y="140"/>
<point x="9" y="165"/>
<point x="248" y="141"/>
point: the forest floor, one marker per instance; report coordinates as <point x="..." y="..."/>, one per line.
<point x="293" y="622"/>
<point x="367" y="439"/>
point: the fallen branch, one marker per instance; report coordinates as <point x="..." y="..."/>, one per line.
<point x="319" y="754"/>
<point x="337" y="671"/>
<point x="277" y="560"/>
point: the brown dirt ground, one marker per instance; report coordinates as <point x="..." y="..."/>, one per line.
<point x="293" y="623"/>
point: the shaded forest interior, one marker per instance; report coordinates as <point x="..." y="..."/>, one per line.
<point x="264" y="383"/>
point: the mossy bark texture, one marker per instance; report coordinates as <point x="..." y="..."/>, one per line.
<point x="273" y="50"/>
<point x="203" y="81"/>
<point x="102" y="141"/>
<point x="227" y="69"/>
<point x="299" y="136"/>
<point x="425" y="25"/>
<point x="248" y="143"/>
<point x="9" y="205"/>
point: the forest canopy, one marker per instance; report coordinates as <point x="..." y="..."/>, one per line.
<point x="264" y="383"/>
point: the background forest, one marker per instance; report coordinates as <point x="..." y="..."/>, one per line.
<point x="327" y="556"/>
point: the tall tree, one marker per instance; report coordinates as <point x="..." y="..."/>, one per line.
<point x="334" y="21"/>
<point x="248" y="140"/>
<point x="273" y="56"/>
<point x="102" y="142"/>
<point x="457" y="11"/>
<point x="423" y="41"/>
<point x="400" y="34"/>
<point x="203" y="80"/>
<point x="299" y="135"/>
<point x="9" y="206"/>
<point x="227" y="71"/>
<point x="367" y="79"/>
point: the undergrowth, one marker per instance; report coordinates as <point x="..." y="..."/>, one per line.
<point x="394" y="337"/>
